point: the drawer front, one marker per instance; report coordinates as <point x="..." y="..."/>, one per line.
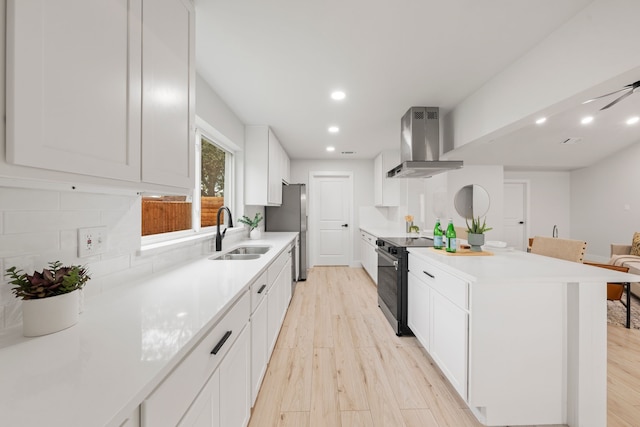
<point x="369" y="238"/>
<point x="167" y="404"/>
<point x="450" y="286"/>
<point x="258" y="291"/>
<point x="276" y="266"/>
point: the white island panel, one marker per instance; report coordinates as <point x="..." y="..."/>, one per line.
<point x="537" y="337"/>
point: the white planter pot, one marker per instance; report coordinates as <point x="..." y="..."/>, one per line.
<point x="255" y="234"/>
<point x="48" y="315"/>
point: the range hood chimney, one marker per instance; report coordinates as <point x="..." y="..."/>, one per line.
<point x="420" y="145"/>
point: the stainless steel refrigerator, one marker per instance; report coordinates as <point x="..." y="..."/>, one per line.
<point x="291" y="216"/>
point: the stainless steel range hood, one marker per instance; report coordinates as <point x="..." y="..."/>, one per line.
<point x="420" y="145"/>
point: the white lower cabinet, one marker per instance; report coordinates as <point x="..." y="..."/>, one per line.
<point x="419" y="310"/>
<point x="449" y="340"/>
<point x="235" y="377"/>
<point x="439" y="318"/>
<point x="369" y="254"/>
<point x="133" y="420"/>
<point x="259" y="348"/>
<point x="205" y="411"/>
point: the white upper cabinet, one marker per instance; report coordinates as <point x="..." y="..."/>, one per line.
<point x="78" y="100"/>
<point x="73" y="86"/>
<point x="168" y="93"/>
<point x="386" y="190"/>
<point x="263" y="167"/>
<point x="285" y="166"/>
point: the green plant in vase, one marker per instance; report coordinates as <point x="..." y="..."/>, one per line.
<point x="475" y="233"/>
<point x="253" y="224"/>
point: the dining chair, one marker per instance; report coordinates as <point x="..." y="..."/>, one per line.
<point x="567" y="249"/>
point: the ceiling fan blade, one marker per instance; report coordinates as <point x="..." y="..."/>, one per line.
<point x="605" y="95"/>
<point x="611" y="104"/>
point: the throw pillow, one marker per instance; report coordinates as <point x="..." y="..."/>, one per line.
<point x="635" y="245"/>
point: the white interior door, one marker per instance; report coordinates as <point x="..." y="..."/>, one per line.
<point x="330" y="197"/>
<point x="515" y="214"/>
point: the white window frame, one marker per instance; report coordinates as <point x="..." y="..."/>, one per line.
<point x="203" y="130"/>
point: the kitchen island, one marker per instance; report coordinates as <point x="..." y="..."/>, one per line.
<point x="521" y="337"/>
<point x="131" y="341"/>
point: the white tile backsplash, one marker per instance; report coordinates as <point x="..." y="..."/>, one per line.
<point x="20" y="199"/>
<point x="38" y="226"/>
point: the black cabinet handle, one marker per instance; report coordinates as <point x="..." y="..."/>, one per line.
<point x="429" y="274"/>
<point x="261" y="288"/>
<point x="218" y="346"/>
<point x="345" y="225"/>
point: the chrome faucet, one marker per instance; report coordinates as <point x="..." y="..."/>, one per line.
<point x="219" y="236"/>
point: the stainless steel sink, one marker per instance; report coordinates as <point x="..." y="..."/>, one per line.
<point x="250" y="250"/>
<point x="235" y="256"/>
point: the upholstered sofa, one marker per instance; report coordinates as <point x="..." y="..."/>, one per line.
<point x="620" y="255"/>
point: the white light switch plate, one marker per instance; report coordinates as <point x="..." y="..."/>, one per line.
<point x="91" y="241"/>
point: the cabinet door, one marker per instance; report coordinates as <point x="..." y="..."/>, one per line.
<point x="205" y="411"/>
<point x="419" y="310"/>
<point x="287" y="285"/>
<point x="168" y="106"/>
<point x="275" y="170"/>
<point x="133" y="420"/>
<point x="275" y="304"/>
<point x="449" y="340"/>
<point x="73" y="86"/>
<point x="235" y="378"/>
<point x="259" y="348"/>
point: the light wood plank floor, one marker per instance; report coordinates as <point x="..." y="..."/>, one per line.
<point x="338" y="363"/>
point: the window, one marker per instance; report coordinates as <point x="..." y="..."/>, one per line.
<point x="162" y="214"/>
<point x="213" y="174"/>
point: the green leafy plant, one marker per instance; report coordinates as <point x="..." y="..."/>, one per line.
<point x="476" y="227"/>
<point x="53" y="281"/>
<point x="252" y="223"/>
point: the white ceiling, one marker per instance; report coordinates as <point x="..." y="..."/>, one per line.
<point x="276" y="62"/>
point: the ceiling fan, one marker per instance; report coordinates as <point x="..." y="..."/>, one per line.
<point x="629" y="89"/>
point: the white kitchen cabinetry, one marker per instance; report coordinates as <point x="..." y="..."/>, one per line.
<point x="419" y="310"/>
<point x="168" y="93"/>
<point x="438" y="316"/>
<point x="80" y="101"/>
<point x="279" y="278"/>
<point x="205" y="411"/>
<point x="169" y="402"/>
<point x="386" y="191"/>
<point x="73" y="86"/>
<point x="369" y="254"/>
<point x="259" y="336"/>
<point x="133" y="420"/>
<point x="285" y="166"/>
<point x="263" y="167"/>
<point x="235" y="377"/>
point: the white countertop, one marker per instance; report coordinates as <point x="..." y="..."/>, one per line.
<point x="96" y="372"/>
<point x="519" y="267"/>
<point x="394" y="232"/>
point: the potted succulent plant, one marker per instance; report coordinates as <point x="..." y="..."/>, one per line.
<point x="50" y="299"/>
<point x="254" y="231"/>
<point x="475" y="233"/>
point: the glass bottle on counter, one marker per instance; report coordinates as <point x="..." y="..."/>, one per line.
<point x="437" y="235"/>
<point x="451" y="237"/>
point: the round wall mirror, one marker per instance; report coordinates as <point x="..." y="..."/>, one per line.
<point x="471" y="201"/>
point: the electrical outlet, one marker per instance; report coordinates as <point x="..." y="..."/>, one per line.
<point x="91" y="241"/>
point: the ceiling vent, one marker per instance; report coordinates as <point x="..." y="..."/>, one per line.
<point x="571" y="140"/>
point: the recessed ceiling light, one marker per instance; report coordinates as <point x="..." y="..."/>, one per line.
<point x="338" y="95"/>
<point x="330" y="149"/>
<point x="586" y="120"/>
<point x="541" y="120"/>
<point x="334" y="129"/>
<point x="633" y="120"/>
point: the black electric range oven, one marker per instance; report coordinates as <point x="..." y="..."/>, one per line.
<point x="392" y="278"/>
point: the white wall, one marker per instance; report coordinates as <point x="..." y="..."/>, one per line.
<point x="589" y="49"/>
<point x="362" y="189"/>
<point x="605" y="202"/>
<point x="550" y="202"/>
<point x="438" y="193"/>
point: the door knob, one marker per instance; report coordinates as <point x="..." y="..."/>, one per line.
<point x="521" y="222"/>
<point x="345" y="225"/>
